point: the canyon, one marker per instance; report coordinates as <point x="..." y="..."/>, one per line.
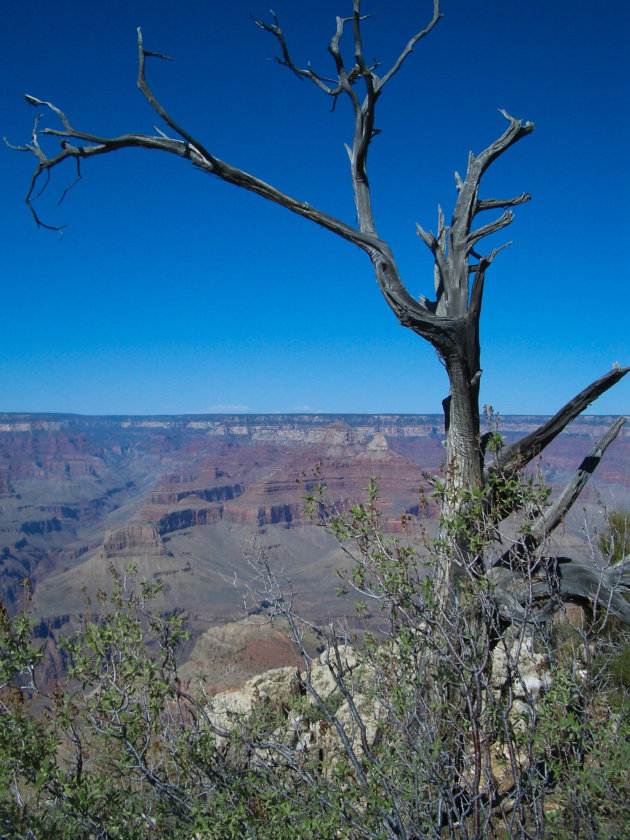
<point x="193" y="500"/>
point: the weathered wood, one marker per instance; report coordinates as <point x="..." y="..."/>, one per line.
<point x="517" y="455"/>
<point x="524" y="599"/>
<point x="555" y="514"/>
<point x="549" y="519"/>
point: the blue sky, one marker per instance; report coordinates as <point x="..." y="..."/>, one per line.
<point x="171" y="292"/>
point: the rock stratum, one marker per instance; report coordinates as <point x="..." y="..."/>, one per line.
<point x="189" y="498"/>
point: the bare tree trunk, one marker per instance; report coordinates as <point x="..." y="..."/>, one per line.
<point x="461" y="417"/>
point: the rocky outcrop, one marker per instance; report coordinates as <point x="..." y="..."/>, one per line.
<point x="177" y="520"/>
<point x="517" y="666"/>
<point x="293" y="701"/>
<point x="227" y="655"/>
<point x="6" y="488"/>
<point x="41" y="526"/>
<point x="132" y="541"/>
<point x="378" y="443"/>
<point x="306" y="728"/>
<point x="276" y="514"/>
<point x="223" y="493"/>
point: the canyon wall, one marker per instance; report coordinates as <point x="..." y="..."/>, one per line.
<point x="192" y="499"/>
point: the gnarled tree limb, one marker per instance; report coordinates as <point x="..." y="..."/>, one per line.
<point x="454" y="244"/>
<point x="605" y="588"/>
<point x="444" y="329"/>
<point x="444" y="332"/>
<point x="517" y="455"/>
<point x="556" y="513"/>
<point x="517" y="574"/>
<point x="522" y="599"/>
<point x="334" y="87"/>
<point x="524" y="549"/>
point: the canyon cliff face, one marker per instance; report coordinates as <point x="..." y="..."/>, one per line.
<point x="189" y="499"/>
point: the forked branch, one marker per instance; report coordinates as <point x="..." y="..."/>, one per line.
<point x="552" y="580"/>
<point x="442" y="328"/>
<point x="603" y="589"/>
<point x="85" y="145"/>
<point x="344" y="79"/>
<point x="78" y="145"/>
<point x="454" y="245"/>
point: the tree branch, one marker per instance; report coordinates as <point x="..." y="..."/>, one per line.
<point x="604" y="588"/>
<point x="467" y="204"/>
<point x="333" y="87"/>
<point x="411" y="44"/>
<point x="188" y="148"/>
<point x="445" y="333"/>
<point x="577" y="580"/>
<point x="436" y="246"/>
<point x="455" y="244"/>
<point x="410" y="312"/>
<point x="146" y="91"/>
<point x="498" y="203"/>
<point x="492" y="227"/>
<point x="525" y="548"/>
<point x="517" y="455"/>
<point x="322" y="82"/>
<point x="555" y="514"/>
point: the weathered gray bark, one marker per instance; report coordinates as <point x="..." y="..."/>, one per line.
<point x="450" y="322"/>
<point x="518" y="454"/>
<point x="548" y="579"/>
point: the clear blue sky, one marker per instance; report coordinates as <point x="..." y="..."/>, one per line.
<point x="171" y="292"/>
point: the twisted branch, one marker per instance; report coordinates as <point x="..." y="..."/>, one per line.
<point x="517" y="455"/>
<point x="555" y="514"/>
<point x="563" y="577"/>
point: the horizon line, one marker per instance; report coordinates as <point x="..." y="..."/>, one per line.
<point x="220" y="414"/>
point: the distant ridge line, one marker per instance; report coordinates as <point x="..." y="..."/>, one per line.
<point x="32" y="421"/>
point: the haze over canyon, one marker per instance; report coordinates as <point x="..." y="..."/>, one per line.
<point x="189" y="498"/>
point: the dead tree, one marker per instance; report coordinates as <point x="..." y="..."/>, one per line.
<point x="449" y="321"/>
